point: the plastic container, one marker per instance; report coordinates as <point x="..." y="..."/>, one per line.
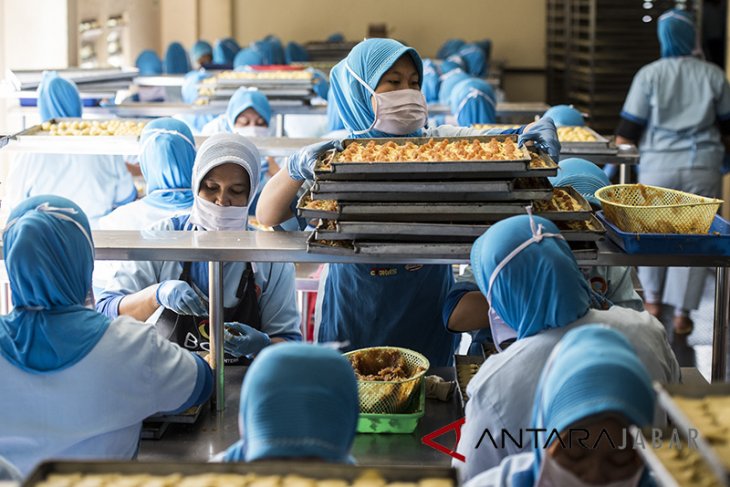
<point x="393" y="423"/>
<point x="715" y="242"/>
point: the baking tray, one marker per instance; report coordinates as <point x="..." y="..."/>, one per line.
<point x="715" y="242"/>
<point x="35" y="137"/>
<point x="600" y="142"/>
<point x="662" y="476"/>
<point x="583" y="213"/>
<point x="465" y="360"/>
<point x="313" y="470"/>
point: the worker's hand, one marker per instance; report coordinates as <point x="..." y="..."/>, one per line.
<point x="179" y="297"/>
<point x="241" y="340"/>
<point x="544" y="135"/>
<point x="301" y="164"/>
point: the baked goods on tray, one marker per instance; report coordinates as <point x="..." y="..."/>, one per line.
<point x="575" y="134"/>
<point x="321" y="205"/>
<point x="92" y="127"/>
<point x="561" y="201"/>
<point x="710" y="416"/>
<point x="433" y="151"/>
<point x="686" y="466"/>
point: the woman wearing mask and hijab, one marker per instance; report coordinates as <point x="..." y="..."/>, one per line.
<point x="402" y="303"/>
<point x="595" y="383"/>
<point x="536" y="294"/>
<point x="201" y="54"/>
<point x="319" y="422"/>
<point x="97" y="183"/>
<point x="64" y="393"/>
<point x="166" y="159"/>
<point x="259" y="298"/>
<point x="677" y="111"/>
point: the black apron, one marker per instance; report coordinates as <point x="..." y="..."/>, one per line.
<point x="193" y="332"/>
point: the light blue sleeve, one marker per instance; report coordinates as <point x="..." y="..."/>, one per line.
<point x="501" y="476"/>
<point x="126" y="192"/>
<point x="637" y="107"/>
<point x="621" y="290"/>
<point x="277" y="303"/>
<point x="722" y="108"/>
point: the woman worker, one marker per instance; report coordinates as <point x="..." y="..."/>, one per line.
<point x="593" y="383"/>
<point x="319" y="389"/>
<point x="201" y="54"/>
<point x="64" y="392"/>
<point x="259" y="298"/>
<point x="677" y="111"/>
<point x="565" y="116"/>
<point x="368" y="305"/>
<point x="536" y="291"/>
<point x="176" y="59"/>
<point x="472" y="102"/>
<point x="97" y="183"/>
<point x="166" y="158"/>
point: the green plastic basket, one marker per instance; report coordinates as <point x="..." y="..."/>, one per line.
<point x="393" y="423"/>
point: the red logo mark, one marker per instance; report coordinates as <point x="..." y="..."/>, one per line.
<point x="428" y="440"/>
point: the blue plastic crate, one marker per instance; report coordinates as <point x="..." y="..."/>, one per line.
<point x="715" y="242"/>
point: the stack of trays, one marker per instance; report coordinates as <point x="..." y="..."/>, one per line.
<point x="276" y="85"/>
<point x="436" y="208"/>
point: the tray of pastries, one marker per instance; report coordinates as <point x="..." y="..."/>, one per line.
<point x="77" y="127"/>
<point x="566" y="204"/>
<point x="262" y="474"/>
<point x="255" y="78"/>
<point x="580" y="135"/>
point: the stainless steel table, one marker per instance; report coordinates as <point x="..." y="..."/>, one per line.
<point x="214" y="433"/>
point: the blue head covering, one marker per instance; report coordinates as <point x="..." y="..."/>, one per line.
<point x="583" y="176"/>
<point x="473" y="101"/>
<point x="539" y="288"/>
<point x="190" y="85"/>
<point x="248" y="57"/>
<point x="369" y="60"/>
<point x="232" y="45"/>
<point x="450" y="47"/>
<point x="49" y="256"/>
<point x="593" y="370"/>
<point x="334" y="121"/>
<point x="148" y="63"/>
<point x="448" y="81"/>
<point x="336" y="37"/>
<point x="297" y="401"/>
<point x="176" y="59"/>
<point x="58" y="97"/>
<point x="451" y="64"/>
<point x="565" y="116"/>
<point x="295" y="53"/>
<point x="474" y="59"/>
<point x="245" y="98"/>
<point x="200" y="49"/>
<point x="223" y="53"/>
<point x="321" y="84"/>
<point x="431" y="81"/>
<point x="486" y="46"/>
<point x="676" y="31"/>
<point x="277" y="49"/>
<point x="166" y="160"/>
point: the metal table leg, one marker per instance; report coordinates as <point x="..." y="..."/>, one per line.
<point x="280" y="125"/>
<point x="720" y="329"/>
<point x="623" y="174"/>
<point x="215" y="290"/>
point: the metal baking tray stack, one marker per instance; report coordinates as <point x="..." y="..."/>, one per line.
<point x="222" y="88"/>
<point x="432" y="209"/>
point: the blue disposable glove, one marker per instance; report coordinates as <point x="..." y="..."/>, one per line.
<point x="242" y="340"/>
<point x="179" y="297"/>
<point x="301" y="164"/>
<point x="545" y="137"/>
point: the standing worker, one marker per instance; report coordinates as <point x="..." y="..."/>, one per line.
<point x="677" y="112"/>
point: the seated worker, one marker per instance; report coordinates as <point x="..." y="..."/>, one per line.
<point x="149" y="64"/>
<point x="431" y="80"/>
<point x="97" y="183"/>
<point x="472" y="102"/>
<point x="383" y="77"/>
<point x="449" y="48"/>
<point x="195" y="121"/>
<point x="565" y="116"/>
<point x="319" y="389"/>
<point x="247" y="57"/>
<point x="176" y="59"/>
<point x="65" y="395"/>
<point x="223" y="53"/>
<point x="595" y="385"/>
<point x="201" y="54"/>
<point x="258" y="297"/>
<point x="295" y="53"/>
<point x="536" y="291"/>
<point x="448" y="81"/>
<point x="475" y="60"/>
<point x="166" y="159"/>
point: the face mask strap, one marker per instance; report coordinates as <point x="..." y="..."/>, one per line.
<point x="372" y="92"/>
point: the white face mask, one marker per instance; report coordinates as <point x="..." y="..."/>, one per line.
<point x="552" y="474"/>
<point x="252" y="131"/>
<point x="212" y="217"/>
<point x="399" y="112"/>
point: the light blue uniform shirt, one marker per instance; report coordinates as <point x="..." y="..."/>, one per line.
<point x="502" y="394"/>
<point x="679" y="101"/>
<point x="95" y="408"/>
<point x="275" y="286"/>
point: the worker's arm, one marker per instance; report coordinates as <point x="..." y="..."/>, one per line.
<point x="274" y="205"/>
<point x="471" y="313"/>
<point x="140" y="305"/>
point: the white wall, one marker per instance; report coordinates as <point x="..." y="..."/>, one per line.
<point x="36" y="34"/>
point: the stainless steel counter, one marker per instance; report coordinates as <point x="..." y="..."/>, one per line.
<point x="214" y="433"/>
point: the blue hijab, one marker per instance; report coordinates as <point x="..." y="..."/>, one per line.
<point x="541" y="287"/>
<point x="148" y="63"/>
<point x="58" y="97"/>
<point x="583" y="176"/>
<point x="334" y="121"/>
<point x="248" y="57"/>
<point x="297" y="401"/>
<point x="295" y="53"/>
<point x="474" y="59"/>
<point x="431" y="81"/>
<point x="200" y="49"/>
<point x="336" y="37"/>
<point x="593" y="370"/>
<point x="176" y="59"/>
<point x="232" y="44"/>
<point x="245" y="98"/>
<point x="370" y="59"/>
<point x="321" y="85"/>
<point x="565" y="116"/>
<point x="472" y="101"/>
<point x="676" y="32"/>
<point x="166" y="160"/>
<point x="277" y="49"/>
<point x="449" y="80"/>
<point x="449" y="48"/>
<point x="49" y="256"/>
<point x="223" y="53"/>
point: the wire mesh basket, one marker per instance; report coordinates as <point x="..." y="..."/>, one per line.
<point x="639" y="208"/>
<point x="395" y="395"/>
